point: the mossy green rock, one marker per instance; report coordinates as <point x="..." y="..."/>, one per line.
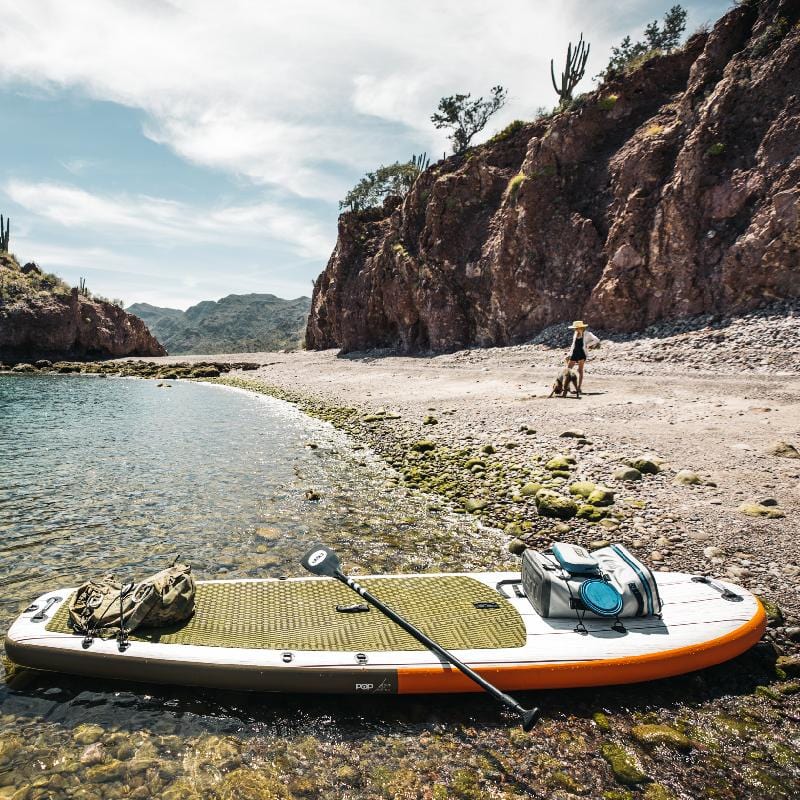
<point x="10" y="745"/>
<point x="488" y="449"/>
<point x="430" y="420"/>
<point x="182" y="789"/>
<point x="248" y="784"/>
<point x="657" y="791"/>
<point x="757" y="510"/>
<point x="772" y="610"/>
<point x="530" y="489"/>
<point x="553" y="504"/>
<point x="87" y="733"/>
<point x="104" y="773"/>
<point x="423" y="446"/>
<point x="651" y="735"/>
<point x="601" y="497"/>
<point x="472" y="505"/>
<point x="601" y="720"/>
<point x="623" y="763"/>
<point x="591" y="513"/>
<point x="560" y="464"/>
<point x="582" y="488"/>
<point x="790" y="665"/>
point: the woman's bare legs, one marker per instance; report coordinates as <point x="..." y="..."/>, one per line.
<point x="580" y="364"/>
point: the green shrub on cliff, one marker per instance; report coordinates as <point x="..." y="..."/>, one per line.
<point x="465" y="117"/>
<point x="16" y="284"/>
<point x="394" y="179"/>
<point x="658" y="39"/>
<point x="507" y="132"/>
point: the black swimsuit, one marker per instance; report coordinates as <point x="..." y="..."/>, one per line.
<point x="578" y="353"/>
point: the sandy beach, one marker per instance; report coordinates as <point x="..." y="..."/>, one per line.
<point x="687" y="410"/>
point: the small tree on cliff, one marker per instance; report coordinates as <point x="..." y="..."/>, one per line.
<point x="657" y="39"/>
<point x="467" y="117"/>
<point x="394" y="179"/>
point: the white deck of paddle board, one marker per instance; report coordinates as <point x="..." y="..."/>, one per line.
<point x="693" y="614"/>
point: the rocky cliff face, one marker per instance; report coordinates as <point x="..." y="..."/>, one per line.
<point x="672" y="191"/>
<point x="41" y="318"/>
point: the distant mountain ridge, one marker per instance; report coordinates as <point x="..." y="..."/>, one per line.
<point x="238" y="323"/>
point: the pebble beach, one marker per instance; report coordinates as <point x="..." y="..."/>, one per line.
<point x="684" y="447"/>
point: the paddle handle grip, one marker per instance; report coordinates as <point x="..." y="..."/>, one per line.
<point x="528" y="715"/>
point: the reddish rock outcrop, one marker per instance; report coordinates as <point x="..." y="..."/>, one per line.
<point x="67" y="325"/>
<point x="670" y="192"/>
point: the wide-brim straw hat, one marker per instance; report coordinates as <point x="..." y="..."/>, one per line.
<point x="579" y="323"/>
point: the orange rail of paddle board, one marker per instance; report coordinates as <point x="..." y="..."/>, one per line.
<point x="600" y="672"/>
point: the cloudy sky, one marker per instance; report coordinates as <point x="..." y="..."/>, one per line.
<point x="172" y="151"/>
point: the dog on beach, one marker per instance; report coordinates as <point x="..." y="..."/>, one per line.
<point x="565" y="380"/>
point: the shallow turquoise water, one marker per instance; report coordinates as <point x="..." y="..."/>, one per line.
<point x="114" y="474"/>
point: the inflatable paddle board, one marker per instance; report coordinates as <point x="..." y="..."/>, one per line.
<point x="313" y="635"/>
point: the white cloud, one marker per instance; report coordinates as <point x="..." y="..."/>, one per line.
<point x="265" y="90"/>
<point x="167" y="222"/>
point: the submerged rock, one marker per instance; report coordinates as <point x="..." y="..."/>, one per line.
<point x="624" y="764"/>
<point x="651" y="735"/>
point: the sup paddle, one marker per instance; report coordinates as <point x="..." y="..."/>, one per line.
<point x="321" y="560"/>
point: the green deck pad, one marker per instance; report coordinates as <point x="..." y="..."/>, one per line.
<point x="302" y="615"/>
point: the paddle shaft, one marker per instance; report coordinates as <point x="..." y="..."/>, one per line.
<point x="526" y="714"/>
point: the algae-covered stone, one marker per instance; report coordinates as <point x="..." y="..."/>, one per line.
<point x="591" y="513"/>
<point x="560" y="464"/>
<point x="10" y="745"/>
<point x="601" y="720"/>
<point x="624" y="764"/>
<point x="182" y="789"/>
<point x="644" y="465"/>
<point x="651" y="735"/>
<point x="553" y="504"/>
<point x="582" y="488"/>
<point x="87" y="733"/>
<point x="601" y="497"/>
<point x="572" y="434"/>
<point x="517" y="547"/>
<point x="423" y="446"/>
<point x="104" y="773"/>
<point x="627" y="474"/>
<point x="757" y="510"/>
<point x="530" y="489"/>
<point x="657" y="791"/>
<point x="472" y="504"/>
<point x="488" y="449"/>
<point x="773" y="611"/>
<point x="250" y="784"/>
<point x="430" y="420"/>
<point x="790" y="665"/>
<point x="205" y="372"/>
<point x="687" y="477"/>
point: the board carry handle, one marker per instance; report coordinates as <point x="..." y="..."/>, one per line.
<point x="321" y="560"/>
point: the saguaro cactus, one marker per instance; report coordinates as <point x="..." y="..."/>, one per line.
<point x="573" y="71"/>
<point x="5" y="233"/>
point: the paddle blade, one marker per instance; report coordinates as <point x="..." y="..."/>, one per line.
<point x="321" y="560"/>
<point x="529" y="719"/>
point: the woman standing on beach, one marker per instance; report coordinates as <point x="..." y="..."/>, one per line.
<point x="577" y="352"/>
